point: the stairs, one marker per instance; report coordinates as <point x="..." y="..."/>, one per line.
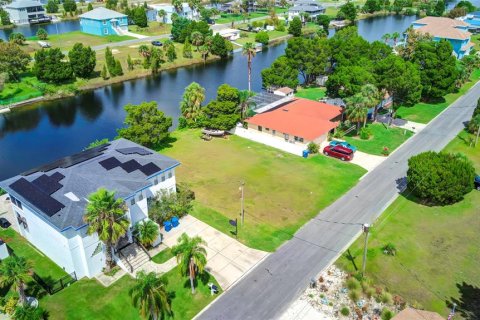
<point x="133" y="257"/>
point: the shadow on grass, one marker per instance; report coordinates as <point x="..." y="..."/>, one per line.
<point x="203" y="277"/>
<point x="166" y="144"/>
<point x="468" y="305"/>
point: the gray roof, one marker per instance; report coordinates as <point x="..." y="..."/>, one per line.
<point x="23" y="4"/>
<point x="86" y="177"/>
<point x="102" y="13"/>
<point x="307" y="6"/>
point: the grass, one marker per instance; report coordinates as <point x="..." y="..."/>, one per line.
<point x="424" y="112"/>
<point x="437" y="247"/>
<point x="381" y="136"/>
<point x="154" y="28"/>
<point x="312" y="93"/>
<point x="229" y="17"/>
<point x="87" y="299"/>
<point x="251" y="36"/>
<point x="163" y="256"/>
<point x="282" y="191"/>
<point x="27" y="88"/>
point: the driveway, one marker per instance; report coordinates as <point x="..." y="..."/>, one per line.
<point x="7" y="212"/>
<point x="227" y="259"/>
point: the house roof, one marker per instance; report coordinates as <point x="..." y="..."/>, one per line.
<point x="414" y="314"/>
<point x="23" y="4"/>
<point x="301" y="117"/>
<point x="443" y="28"/>
<point x="285" y="90"/>
<point x="58" y="190"/>
<point x="102" y="13"/>
<point x="306" y="6"/>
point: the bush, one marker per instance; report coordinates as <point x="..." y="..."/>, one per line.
<point x="2" y="192"/>
<point x="182" y="123"/>
<point x="312" y="148"/>
<point x="353" y="284"/>
<point x="354" y="295"/>
<point x="42" y="34"/>
<point x="280" y="26"/>
<point x="243" y="34"/>
<point x="370" y="292"/>
<point x="345" y="311"/>
<point x="262" y="37"/>
<point x="365" y="133"/>
<point x="386" y="298"/>
<point x="385" y="151"/>
<point x="386" y="314"/>
<point x="440" y="178"/>
<point x="389" y="249"/>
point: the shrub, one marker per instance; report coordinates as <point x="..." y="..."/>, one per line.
<point x="385" y="151"/>
<point x="262" y="37"/>
<point x="243" y="34"/>
<point x="339" y="134"/>
<point x="386" y="298"/>
<point x="354" y="295"/>
<point x="280" y="26"/>
<point x="370" y="292"/>
<point x="389" y="249"/>
<point x="386" y="314"/>
<point x="10" y="305"/>
<point x="312" y="148"/>
<point x="345" y="311"/>
<point x="2" y="192"/>
<point x="440" y="178"/>
<point x="365" y="133"/>
<point x="353" y="284"/>
<point x="42" y="34"/>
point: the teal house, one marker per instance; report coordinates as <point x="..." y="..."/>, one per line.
<point x="102" y="22"/>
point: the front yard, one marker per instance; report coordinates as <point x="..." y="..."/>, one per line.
<point x="437" y="248"/>
<point x="282" y="191"/>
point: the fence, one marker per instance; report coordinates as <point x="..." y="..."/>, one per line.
<point x="57" y="285"/>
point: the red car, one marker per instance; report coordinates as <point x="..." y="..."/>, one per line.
<point x="342" y="153"/>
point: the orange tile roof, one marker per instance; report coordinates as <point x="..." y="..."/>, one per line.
<point x="303" y="118"/>
<point x="443" y="28"/>
<point x="414" y="314"/>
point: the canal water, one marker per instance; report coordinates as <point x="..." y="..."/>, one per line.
<point x="51" y="28"/>
<point x="33" y="135"/>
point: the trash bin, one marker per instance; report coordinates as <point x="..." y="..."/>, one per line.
<point x="168" y="225"/>
<point x="175" y="222"/>
<point x="305" y="153"/>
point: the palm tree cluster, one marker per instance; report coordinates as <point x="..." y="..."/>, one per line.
<point x="394" y="36"/>
<point x="359" y="104"/>
<point x="149" y="294"/>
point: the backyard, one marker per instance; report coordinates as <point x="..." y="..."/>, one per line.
<point x="154" y="28"/>
<point x="311" y="93"/>
<point x="437" y="248"/>
<point x="282" y="191"/>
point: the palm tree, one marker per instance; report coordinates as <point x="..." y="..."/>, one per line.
<point x="197" y="39"/>
<point x="372" y="98"/>
<point x="191" y="256"/>
<point x="105" y="216"/>
<point x="476" y="122"/>
<point x="24" y="312"/>
<point x="395" y="37"/>
<point x="386" y="37"/>
<point x="149" y="294"/>
<point x="193" y="4"/>
<point x="245" y="102"/>
<point x="249" y="51"/>
<point x="15" y="271"/>
<point x="177" y="4"/>
<point x="356" y="110"/>
<point x="204" y="51"/>
<point x="146" y="232"/>
<point x="144" y="51"/>
<point x="162" y="14"/>
<point x="192" y="100"/>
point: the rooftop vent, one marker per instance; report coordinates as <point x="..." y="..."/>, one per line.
<point x="72" y="196"/>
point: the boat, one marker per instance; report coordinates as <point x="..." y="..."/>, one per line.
<point x="214" y="133"/>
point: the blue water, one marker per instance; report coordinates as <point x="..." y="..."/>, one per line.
<point x="51" y="28"/>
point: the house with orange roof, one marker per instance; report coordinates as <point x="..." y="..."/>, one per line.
<point x="455" y="31"/>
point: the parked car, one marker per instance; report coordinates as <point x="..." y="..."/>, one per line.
<point x="343" y="144"/>
<point x="342" y="153"/>
<point x="210" y="21"/>
<point x="157" y="43"/>
<point x="477" y="182"/>
<point x="4" y="223"/>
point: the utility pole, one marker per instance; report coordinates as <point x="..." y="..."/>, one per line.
<point x="242" y="207"/>
<point x="365" y="229"/>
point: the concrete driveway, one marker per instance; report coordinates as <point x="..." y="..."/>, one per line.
<point x="227" y="259"/>
<point x="367" y="161"/>
<point x="7" y="212"/>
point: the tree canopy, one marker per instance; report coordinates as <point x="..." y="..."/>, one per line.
<point x="295" y="27"/>
<point x="280" y="74"/>
<point x="50" y="66"/>
<point x="13" y="60"/>
<point x="83" y="60"/>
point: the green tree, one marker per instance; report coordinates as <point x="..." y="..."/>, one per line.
<point x="295" y="27"/>
<point x="97" y="143"/>
<point x="146" y="232"/>
<point x="155" y="59"/>
<point x="13" y="60"/>
<point x="372" y="6"/>
<point x="4" y="17"/>
<point x="187" y="49"/>
<point x="69" y="6"/>
<point x="347" y="81"/>
<point x="349" y="10"/>
<point x="15" y="271"/>
<point x="110" y="61"/>
<point x="83" y="60"/>
<point x="118" y="68"/>
<point x="145" y="124"/>
<point x="191" y="256"/>
<point x="162" y="14"/>
<point x="226" y="92"/>
<point x="111" y="4"/>
<point x="140" y="17"/>
<point x="249" y="51"/>
<point x="105" y="216"/>
<point x="197" y="39"/>
<point x="25" y="312"/>
<point x="439" y="8"/>
<point x="181" y="29"/>
<point x="440" y="178"/>
<point x="42" y="34"/>
<point x="280" y="74"/>
<point x="245" y="103"/>
<point x="323" y="21"/>
<point x="17" y="38"/>
<point x="52" y="6"/>
<point x="474" y="126"/>
<point x="191" y="103"/>
<point x="50" y="66"/>
<point x="372" y="97"/>
<point x="467" y="5"/>
<point x="104" y="73"/>
<point x="386" y="37"/>
<point x="149" y="294"/>
<point x="310" y="56"/>
<point x="262" y="37"/>
<point x="219" y="47"/>
<point x="170" y="51"/>
<point x="357" y="110"/>
<point x="89" y="7"/>
<point x="457" y="12"/>
<point x="166" y="205"/>
<point x="395" y="37"/>
<point x="130" y="64"/>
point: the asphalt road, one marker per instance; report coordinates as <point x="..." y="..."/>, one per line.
<point x="268" y="290"/>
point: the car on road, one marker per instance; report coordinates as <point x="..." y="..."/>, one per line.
<point x="477" y="182"/>
<point x="4" y="223"/>
<point x="343" y="144"/>
<point x="157" y="43"/>
<point x="340" y="152"/>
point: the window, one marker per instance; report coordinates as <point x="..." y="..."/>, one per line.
<point x="170" y="174"/>
<point x="274" y="132"/>
<point x="155" y="182"/>
<point x="16" y="202"/>
<point x="260" y="128"/>
<point x="132" y="202"/>
<point x="140" y="196"/>
<point x="163" y="177"/>
<point x="267" y="129"/>
<point x="286" y="136"/>
<point x="22" y="221"/>
<point x="105" y="30"/>
<point x="104" y="22"/>
<point x="298" y="139"/>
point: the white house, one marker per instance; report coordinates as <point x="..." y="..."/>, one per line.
<point x="312" y="7"/>
<point x="26" y="11"/>
<point x="49" y="201"/>
<point x="169" y="9"/>
<point x="229" y="34"/>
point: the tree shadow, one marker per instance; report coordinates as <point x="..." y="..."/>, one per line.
<point x="468" y="305"/>
<point x="351" y="258"/>
<point x="166" y="144"/>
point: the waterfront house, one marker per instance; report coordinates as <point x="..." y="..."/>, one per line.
<point x="455" y="31"/>
<point x="102" y="22"/>
<point x="26" y="12"/>
<point x="473" y="21"/>
<point x="49" y="201"/>
<point x="310" y="7"/>
<point x="185" y="12"/>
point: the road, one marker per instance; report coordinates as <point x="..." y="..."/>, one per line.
<point x="268" y="290"/>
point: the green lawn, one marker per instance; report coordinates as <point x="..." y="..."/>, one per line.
<point x="251" y="36"/>
<point x="163" y="256"/>
<point x="282" y="191"/>
<point x="27" y="88"/>
<point x="229" y="17"/>
<point x="424" y="112"/>
<point x="312" y="93"/>
<point x="154" y="28"/>
<point x="87" y="299"/>
<point x="437" y="247"/>
<point x="381" y="136"/>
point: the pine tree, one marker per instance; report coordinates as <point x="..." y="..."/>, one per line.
<point x="118" y="68"/>
<point x="129" y="63"/>
<point x="104" y="73"/>
<point x="110" y="61"/>
<point x="187" y="49"/>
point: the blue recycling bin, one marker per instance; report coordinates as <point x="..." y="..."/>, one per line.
<point x="168" y="225"/>
<point x="175" y="222"/>
<point x="305" y="153"/>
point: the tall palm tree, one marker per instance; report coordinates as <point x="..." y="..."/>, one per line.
<point x="24" y="312"/>
<point x="197" y="39"/>
<point x="105" y="216"/>
<point x="192" y="100"/>
<point x="395" y="37"/>
<point x="372" y="98"/>
<point x="191" y="256"/>
<point x="149" y="294"/>
<point x="386" y="37"/>
<point x="146" y="232"/>
<point x="177" y="4"/>
<point x="356" y="110"/>
<point x="249" y="51"/>
<point x="193" y="4"/>
<point x="15" y="271"/>
<point x="245" y="103"/>
<point x="162" y="14"/>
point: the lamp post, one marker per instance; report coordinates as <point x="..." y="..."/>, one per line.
<point x="365" y="229"/>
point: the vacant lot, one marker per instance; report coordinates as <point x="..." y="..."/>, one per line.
<point x="437" y="248"/>
<point x="154" y="29"/>
<point x="282" y="191"/>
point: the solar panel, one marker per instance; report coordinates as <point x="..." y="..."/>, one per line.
<point x="130" y="166"/>
<point x="110" y="163"/>
<point x="264" y="98"/>
<point x="150" y="168"/>
<point x="132" y="150"/>
<point x="39" y="199"/>
<point x="47" y="184"/>
<point x="57" y="176"/>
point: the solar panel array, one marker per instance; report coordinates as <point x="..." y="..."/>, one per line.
<point x="149" y="169"/>
<point x="132" y="150"/>
<point x="57" y="176"/>
<point x="129" y="166"/>
<point x="110" y="163"/>
<point x="40" y="199"/>
<point x="47" y="184"/>
<point x="264" y="98"/>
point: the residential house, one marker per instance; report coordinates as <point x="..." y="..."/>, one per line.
<point x="310" y="7"/>
<point x="284" y="92"/>
<point x="473" y="21"/>
<point x="26" y="12"/>
<point x="185" y="12"/>
<point x="102" y="22"/>
<point x="229" y="34"/>
<point x="49" y="201"/>
<point x="455" y="31"/>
